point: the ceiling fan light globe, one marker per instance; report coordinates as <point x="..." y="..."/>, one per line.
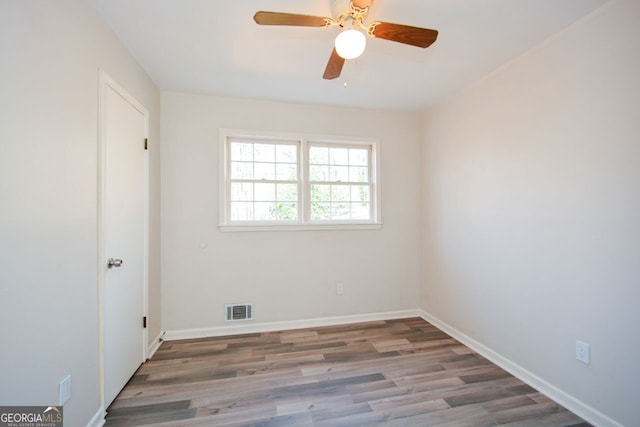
<point x="350" y="44"/>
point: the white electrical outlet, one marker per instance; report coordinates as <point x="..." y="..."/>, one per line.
<point x="64" y="390"/>
<point x="339" y="288"/>
<point x="582" y="352"/>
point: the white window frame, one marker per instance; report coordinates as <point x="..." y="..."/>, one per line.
<point x="304" y="202"/>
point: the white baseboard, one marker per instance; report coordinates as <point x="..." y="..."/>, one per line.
<point x="154" y="345"/>
<point x="576" y="406"/>
<point x="251" y="328"/>
<point x="98" y="419"/>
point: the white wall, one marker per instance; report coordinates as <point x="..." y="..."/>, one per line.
<point x="287" y="275"/>
<point x="50" y="55"/>
<point x="532" y="210"/>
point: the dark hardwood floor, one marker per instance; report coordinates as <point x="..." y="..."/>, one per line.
<point x="398" y="373"/>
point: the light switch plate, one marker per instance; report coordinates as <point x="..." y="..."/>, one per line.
<point x="64" y="390"/>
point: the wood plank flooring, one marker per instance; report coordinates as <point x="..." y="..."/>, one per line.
<point x="395" y="373"/>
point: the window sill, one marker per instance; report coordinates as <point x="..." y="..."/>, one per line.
<point x="299" y="227"/>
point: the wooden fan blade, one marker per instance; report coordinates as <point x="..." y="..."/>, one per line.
<point x="414" y="36"/>
<point x="334" y="66"/>
<point x="362" y="3"/>
<point x="277" y="18"/>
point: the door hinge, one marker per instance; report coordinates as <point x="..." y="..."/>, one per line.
<point x="146" y="143"/>
<point x="144" y="322"/>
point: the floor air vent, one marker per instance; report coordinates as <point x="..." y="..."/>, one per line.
<point x="235" y="312"/>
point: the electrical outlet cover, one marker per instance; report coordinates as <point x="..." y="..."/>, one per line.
<point x="582" y="352"/>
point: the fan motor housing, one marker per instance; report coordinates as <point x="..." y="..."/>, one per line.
<point x="342" y="8"/>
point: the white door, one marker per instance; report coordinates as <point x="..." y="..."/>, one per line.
<point x="124" y="234"/>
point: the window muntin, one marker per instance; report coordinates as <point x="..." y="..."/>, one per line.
<point x="273" y="181"/>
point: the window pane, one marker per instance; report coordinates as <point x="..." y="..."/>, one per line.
<point x="320" y="193"/>
<point x="319" y="173"/>
<point x="340" y="193"/>
<point x="265" y="192"/>
<point x="265" y="211"/>
<point x="339" y="156"/>
<point x="241" y="192"/>
<point x="319" y="155"/>
<point x="241" y="211"/>
<point x="287" y="211"/>
<point x="286" y="172"/>
<point x="286" y="154"/>
<point x="264" y="152"/>
<point x="360" y="193"/>
<point x="320" y="211"/>
<point x="360" y="211"/>
<point x="265" y="171"/>
<point x="287" y="193"/>
<point x="341" y="211"/>
<point x="241" y="151"/>
<point x="358" y="174"/>
<point x="241" y="170"/>
<point x="358" y="157"/>
<point x="340" y="173"/>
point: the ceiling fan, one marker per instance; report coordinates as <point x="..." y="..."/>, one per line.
<point x="350" y="15"/>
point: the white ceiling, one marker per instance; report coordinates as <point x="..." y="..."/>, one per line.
<point x="214" y="47"/>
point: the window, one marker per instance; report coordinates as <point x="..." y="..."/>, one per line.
<point x="275" y="181"/>
<point x="264" y="184"/>
<point x="340" y="182"/>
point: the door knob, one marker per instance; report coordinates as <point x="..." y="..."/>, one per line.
<point x="114" y="263"/>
